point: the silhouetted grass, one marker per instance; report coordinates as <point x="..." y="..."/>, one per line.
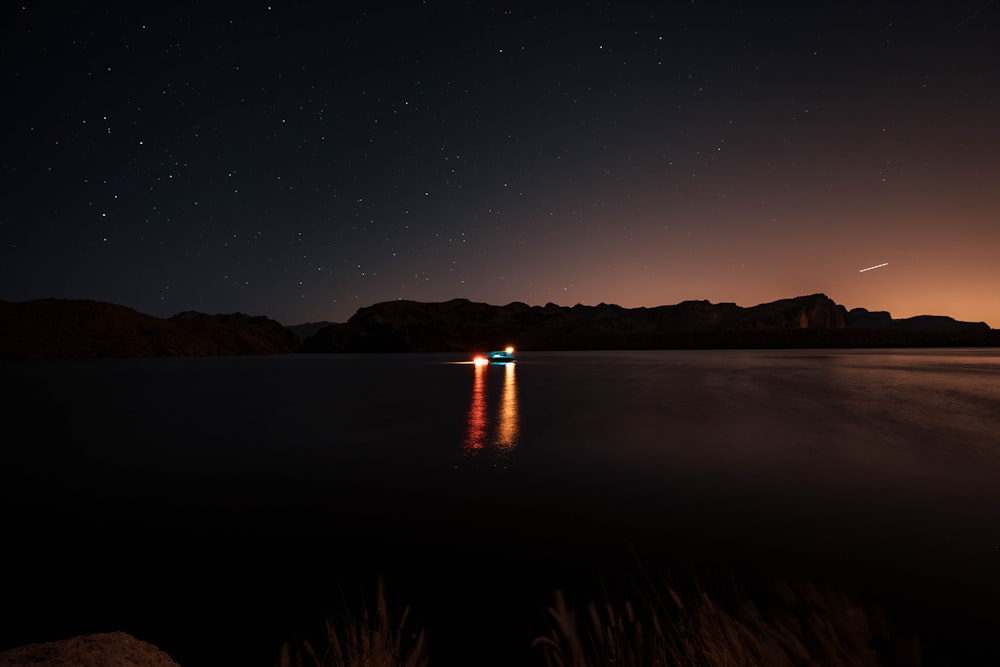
<point x="803" y="626"/>
<point x="373" y="640"/>
<point x="806" y="627"/>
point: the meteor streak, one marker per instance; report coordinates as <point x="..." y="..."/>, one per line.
<point x="877" y="266"/>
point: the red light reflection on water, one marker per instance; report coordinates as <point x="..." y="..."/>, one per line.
<point x="475" y="438"/>
<point x="507" y="426"/>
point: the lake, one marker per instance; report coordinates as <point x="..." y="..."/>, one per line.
<point x="219" y="506"/>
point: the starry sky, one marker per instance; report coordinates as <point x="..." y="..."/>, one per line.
<point x="302" y="160"/>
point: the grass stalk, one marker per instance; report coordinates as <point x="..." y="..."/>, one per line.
<point x="372" y="640"/>
<point x="807" y="627"/>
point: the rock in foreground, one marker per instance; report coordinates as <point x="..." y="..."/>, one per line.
<point x="108" y="649"/>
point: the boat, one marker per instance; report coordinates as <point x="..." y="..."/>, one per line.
<point x="504" y="356"/>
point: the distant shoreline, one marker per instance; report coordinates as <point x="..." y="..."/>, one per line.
<point x="59" y="328"/>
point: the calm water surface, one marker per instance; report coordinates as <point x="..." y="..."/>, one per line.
<point x="259" y="494"/>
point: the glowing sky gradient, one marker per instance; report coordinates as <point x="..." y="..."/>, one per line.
<point x="303" y="160"/>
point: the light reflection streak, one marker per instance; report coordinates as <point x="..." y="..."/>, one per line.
<point x="507" y="429"/>
<point x="475" y="438"/>
<point x="507" y="420"/>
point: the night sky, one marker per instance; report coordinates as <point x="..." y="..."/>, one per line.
<point x="303" y="160"/>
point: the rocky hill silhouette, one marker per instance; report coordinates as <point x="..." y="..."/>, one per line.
<point x="805" y="321"/>
<point x="47" y="328"/>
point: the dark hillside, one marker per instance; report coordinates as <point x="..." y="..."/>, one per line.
<point x="460" y="325"/>
<point x="80" y="328"/>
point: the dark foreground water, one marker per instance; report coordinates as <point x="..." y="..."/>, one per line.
<point x="217" y="507"/>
